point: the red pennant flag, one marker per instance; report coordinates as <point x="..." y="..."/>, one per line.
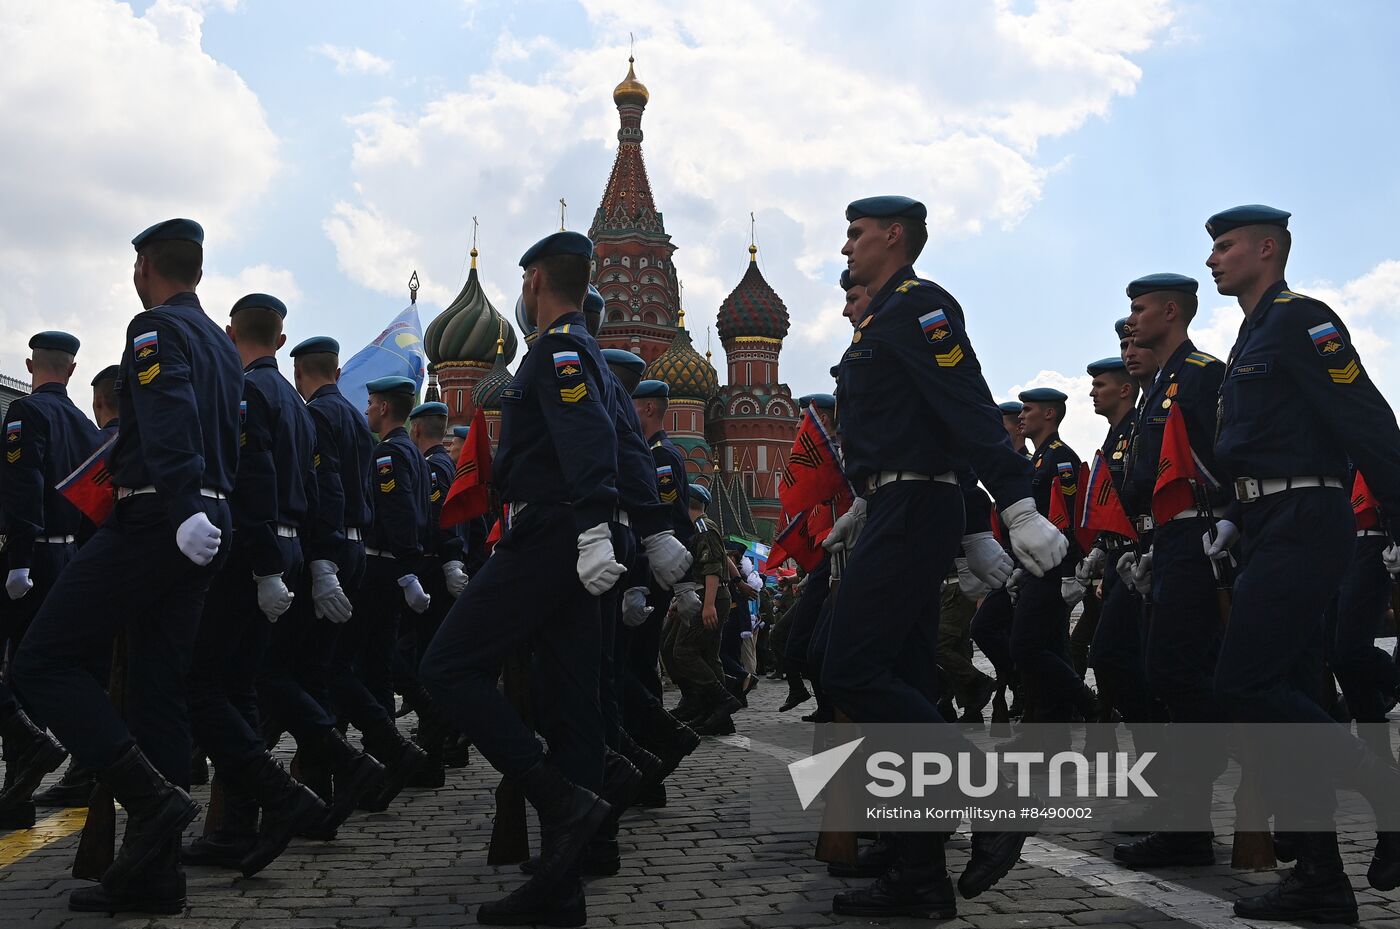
<point x="998" y="531"/>
<point x="821" y="519"/>
<point x="467" y="497"/>
<point x="493" y="536"/>
<point x="1059" y="509"/>
<point x="1179" y="471"/>
<point x="1363" y="504"/>
<point x="89" y="488"/>
<point x="1102" y="510"/>
<point x="796" y="542"/>
<point x="812" y="475"/>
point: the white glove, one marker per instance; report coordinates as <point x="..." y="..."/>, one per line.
<point x="1013" y="584"/>
<point x="1391" y="559"/>
<point x="1071" y="590"/>
<point x="1142" y="574"/>
<point x="455" y="577"/>
<point x="846" y="530"/>
<point x="668" y="557"/>
<point x="326" y="593"/>
<point x="17" y="583"/>
<point x="1125" y="567"/>
<point x="413" y="593"/>
<point x="686" y="598"/>
<point x="969" y="584"/>
<point x="274" y="598"/>
<point x="634" y="607"/>
<point x="1090" y="567"/>
<point x="1038" y="545"/>
<point x="1226" y="534"/>
<point x="198" y="539"/>
<point x="597" y="568"/>
<point x="986" y="559"/>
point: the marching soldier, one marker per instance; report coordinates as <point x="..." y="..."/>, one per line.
<point x="149" y="566"/>
<point x="914" y="407"/>
<point x="104" y="401"/>
<point x="1295" y="405"/>
<point x="273" y="496"/>
<point x="361" y="679"/>
<point x="46" y="439"/>
<point x="556" y="470"/>
<point x="1183" y="639"/>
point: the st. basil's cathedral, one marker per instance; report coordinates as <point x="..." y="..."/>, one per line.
<point x="735" y="437"/>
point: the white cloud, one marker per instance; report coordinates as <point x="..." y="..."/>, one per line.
<point x="1083" y="430"/>
<point x="218" y="292"/>
<point x="763" y="108"/>
<point x="133" y="124"/>
<point x="354" y="60"/>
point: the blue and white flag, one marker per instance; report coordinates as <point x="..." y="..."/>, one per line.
<point x="398" y="350"/>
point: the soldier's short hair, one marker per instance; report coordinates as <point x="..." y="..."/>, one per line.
<point x="915" y="233"/>
<point x="566" y="276"/>
<point x="178" y="260"/>
<point x="257" y="325"/>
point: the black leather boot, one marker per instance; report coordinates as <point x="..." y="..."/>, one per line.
<point x="288" y="808"/>
<point x="29" y="755"/>
<point x="995" y="853"/>
<point x="432" y="735"/>
<point x="602" y="857"/>
<point x="235" y="837"/>
<point x="569" y="816"/>
<point x="355" y="774"/>
<point x="538" y="902"/>
<point x="1384" y="872"/>
<point x="158" y="889"/>
<point x="1168" y="850"/>
<point x="652" y="768"/>
<point x="1315" y="890"/>
<point x="400" y="757"/>
<point x="797" y="692"/>
<point x="157" y="812"/>
<point x="71" y="792"/>
<point x="720" y="718"/>
<point x="689" y="707"/>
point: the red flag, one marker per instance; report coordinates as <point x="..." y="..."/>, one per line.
<point x="998" y="531"/>
<point x="494" y="535"/>
<point x="89" y="488"/>
<point x="1102" y="510"/>
<point x="821" y="519"/>
<point x="812" y="474"/>
<point x="467" y="497"/>
<point x="1060" y="513"/>
<point x="1363" y="504"/>
<point x="797" y="543"/>
<point x="1179" y="471"/>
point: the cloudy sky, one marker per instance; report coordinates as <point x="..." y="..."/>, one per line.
<point x="1063" y="147"/>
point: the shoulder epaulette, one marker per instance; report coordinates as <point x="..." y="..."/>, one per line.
<point x="908" y="285"/>
<point x="1288" y="296"/>
<point x="1201" y="359"/>
<point x="1057" y="444"/>
<point x="562" y="329"/>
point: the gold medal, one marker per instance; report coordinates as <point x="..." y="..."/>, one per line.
<point x="1117" y="455"/>
<point x="855" y="338"/>
<point x="1167" y="404"/>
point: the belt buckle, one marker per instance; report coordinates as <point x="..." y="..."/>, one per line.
<point x="1144" y="524"/>
<point x="1247" y="489"/>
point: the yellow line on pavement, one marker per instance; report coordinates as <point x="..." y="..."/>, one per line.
<point x="22" y="843"/>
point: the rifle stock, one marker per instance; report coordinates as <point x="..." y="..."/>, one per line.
<point x="97" y="845"/>
<point x="510" y="836"/>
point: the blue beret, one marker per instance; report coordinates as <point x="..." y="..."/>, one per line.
<point x="322" y="344"/>
<point x="593" y="302"/>
<point x="109" y="373"/>
<point x="624" y="359"/>
<point x="1152" y="283"/>
<point x="461" y="431"/>
<point x="1105" y="365"/>
<point x="55" y="341"/>
<point x="394" y="384"/>
<point x="1121" y="327"/>
<point x="558" y="243"/>
<point x="1251" y="214"/>
<point x="1010" y="408"/>
<point x="1042" y="395"/>
<point x="698" y="492"/>
<point x="846" y="279"/>
<point x="886" y="207"/>
<point x="431" y="408"/>
<point x="651" y="388"/>
<point x="260" y="302"/>
<point x="186" y="230"/>
<point x="823" y="401"/>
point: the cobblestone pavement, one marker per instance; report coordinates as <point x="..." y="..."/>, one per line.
<point x="691" y="865"/>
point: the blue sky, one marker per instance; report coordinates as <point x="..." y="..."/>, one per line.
<point x="1063" y="148"/>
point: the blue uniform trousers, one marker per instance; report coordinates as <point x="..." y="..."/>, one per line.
<point x="296" y="701"/>
<point x="612" y="669"/>
<point x="881" y="651"/>
<point x="1040" y="646"/>
<point x="360" y="663"/>
<point x="1117" y="653"/>
<point x="316" y="639"/>
<point x="1367" y="674"/>
<point x="130" y="575"/>
<point x="15" y="616"/>
<point x="805" y="617"/>
<point x="228" y="656"/>
<point x="527" y="592"/>
<point x="991" y="631"/>
<point x="1183" y="640"/>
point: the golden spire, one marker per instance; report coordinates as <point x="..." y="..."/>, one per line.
<point x="753" y="240"/>
<point x="631" y="91"/>
<point x="680" y="303"/>
<point x="500" y="332"/>
<point x="475" y="227"/>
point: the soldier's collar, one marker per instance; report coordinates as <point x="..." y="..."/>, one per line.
<point x="897" y="278"/>
<point x="1265" y="302"/>
<point x="266" y="361"/>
